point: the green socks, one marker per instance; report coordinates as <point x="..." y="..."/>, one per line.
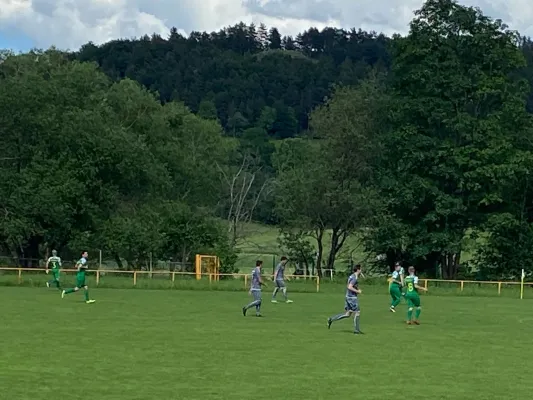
<point x="409" y="314"/>
<point x="417" y="313"/>
<point x="68" y="291"/>
<point x="86" y="294"/>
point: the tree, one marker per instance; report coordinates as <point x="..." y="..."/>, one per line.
<point x="316" y="193"/>
<point x="457" y="108"/>
<point x="285" y="125"/>
<point x="69" y="161"/>
<point x="262" y="36"/>
<point x="133" y="235"/>
<point x="207" y="110"/>
<point x="351" y="126"/>
<point x="232" y="68"/>
<point x="266" y="120"/>
<point x="298" y="248"/>
<point x="242" y="193"/>
<point x="188" y="230"/>
<point x="86" y="161"/>
<point x="236" y="123"/>
<point x="256" y="143"/>
<point x="274" y="39"/>
<point x="300" y="189"/>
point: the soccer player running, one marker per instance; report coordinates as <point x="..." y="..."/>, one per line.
<point x="81" y="267"/>
<point x="279" y="279"/>
<point x="55" y="262"/>
<point x="255" y="290"/>
<point x="352" y="303"/>
<point x="395" y="288"/>
<point x="412" y="296"/>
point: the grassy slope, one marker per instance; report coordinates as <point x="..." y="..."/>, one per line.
<point x="260" y="241"/>
<point x="142" y="344"/>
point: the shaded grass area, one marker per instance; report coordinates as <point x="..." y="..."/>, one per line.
<point x="144" y="344"/>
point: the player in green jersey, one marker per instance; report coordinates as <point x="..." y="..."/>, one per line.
<point x="412" y="296"/>
<point x="396" y="284"/>
<point x="81" y="266"/>
<point x="55" y="262"/>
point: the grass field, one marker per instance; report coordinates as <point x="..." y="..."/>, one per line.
<point x="162" y="344"/>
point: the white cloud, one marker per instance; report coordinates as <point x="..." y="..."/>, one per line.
<point x="70" y="23"/>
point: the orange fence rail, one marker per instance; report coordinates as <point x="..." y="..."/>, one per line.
<point x="173" y="274"/>
<point x="245" y="277"/>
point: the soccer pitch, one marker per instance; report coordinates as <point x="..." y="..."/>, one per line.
<point x="159" y="344"/>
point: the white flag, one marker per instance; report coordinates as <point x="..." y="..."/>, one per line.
<point x="523" y="274"/>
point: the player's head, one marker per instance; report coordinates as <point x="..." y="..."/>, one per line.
<point x="284" y="260"/>
<point x="357" y="269"/>
<point x="259" y="263"/>
<point x="54" y="253"/>
<point x="411" y="270"/>
<point x="84" y="254"/>
<point x="397" y="266"/>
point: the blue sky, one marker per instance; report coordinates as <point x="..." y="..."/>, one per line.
<point x="68" y="24"/>
<point x="16" y="41"/>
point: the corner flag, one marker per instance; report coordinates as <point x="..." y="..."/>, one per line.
<point x="522" y="285"/>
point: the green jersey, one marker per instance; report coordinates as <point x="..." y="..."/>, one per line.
<point x="410" y="283"/>
<point x="82" y="266"/>
<point x="396" y="277"/>
<point x="55" y="263"/>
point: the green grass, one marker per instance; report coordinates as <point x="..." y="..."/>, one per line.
<point x="149" y="344"/>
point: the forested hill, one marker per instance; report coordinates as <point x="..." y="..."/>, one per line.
<point x="423" y="150"/>
<point x="243" y="72"/>
<point x="251" y="76"/>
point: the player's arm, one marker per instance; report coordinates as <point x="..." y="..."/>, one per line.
<point x="352" y="289"/>
<point x="401" y="279"/>
<point x="418" y="287"/>
<point x="47" y="264"/>
<point x="261" y="282"/>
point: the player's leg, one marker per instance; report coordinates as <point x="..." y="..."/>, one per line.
<point x="256" y="302"/>
<point x="340" y="316"/>
<point x="87" y="298"/>
<point x="284" y="291"/>
<point x="51" y="281"/>
<point x="357" y="314"/>
<point x="259" y="300"/>
<point x="68" y="291"/>
<point x="418" y="309"/>
<point x="276" y="290"/>
<point x="395" y="297"/>
<point x="410" y="307"/>
<point x="56" y="281"/>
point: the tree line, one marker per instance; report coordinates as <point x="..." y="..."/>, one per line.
<point x="420" y="144"/>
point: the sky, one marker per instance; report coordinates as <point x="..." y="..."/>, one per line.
<point x="68" y="24"/>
